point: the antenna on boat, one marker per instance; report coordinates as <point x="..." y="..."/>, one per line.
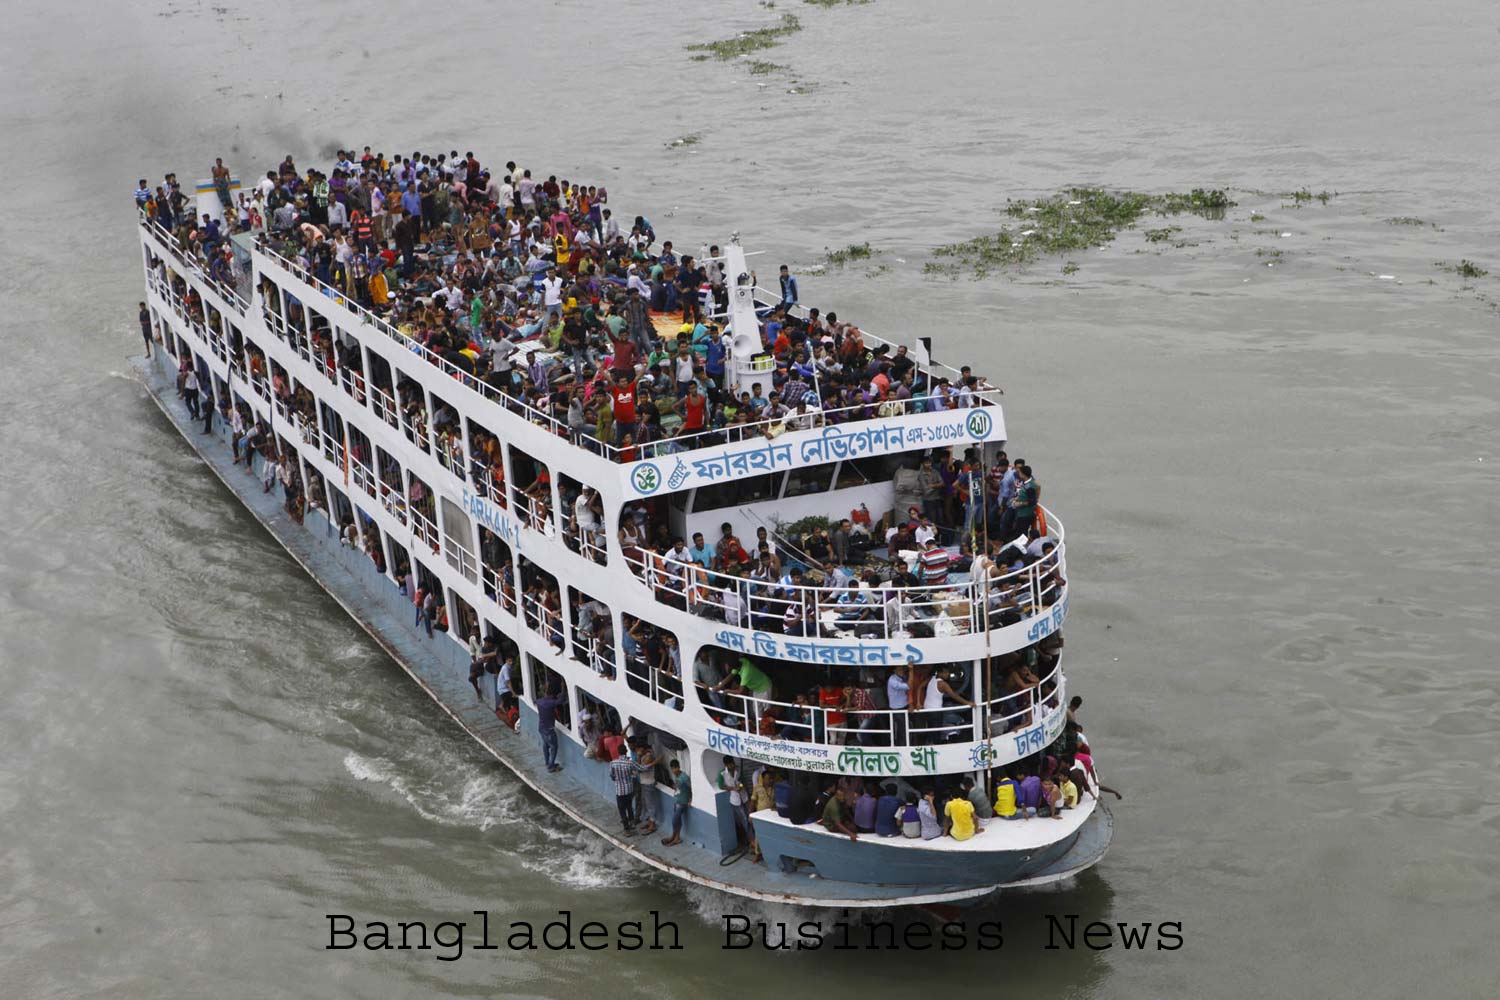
<point x="989" y="734"/>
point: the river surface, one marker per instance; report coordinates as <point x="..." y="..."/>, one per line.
<point x="1275" y="448"/>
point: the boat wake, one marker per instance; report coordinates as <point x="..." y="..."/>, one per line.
<point x="470" y="796"/>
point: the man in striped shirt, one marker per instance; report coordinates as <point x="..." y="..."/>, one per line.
<point x="623" y="773"/>
<point x="934" y="561"/>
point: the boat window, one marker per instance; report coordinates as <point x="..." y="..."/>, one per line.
<point x="738" y="492"/>
<point x="863" y="471"/>
<point x="812" y="479"/>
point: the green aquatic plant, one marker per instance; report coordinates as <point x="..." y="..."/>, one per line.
<point x="759" y="67"/>
<point x="691" y="139"/>
<point x="852" y="252"/>
<point x="748" y="41"/>
<point x="1071" y="221"/>
<point x="1161" y="235"/>
<point x="1464" y="269"/>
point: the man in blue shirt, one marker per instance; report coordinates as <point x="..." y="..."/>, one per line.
<point x="886" y="810"/>
<point x="898" y="697"/>
<point x="411" y="201"/>
<point x="713" y="357"/>
<point x="546" y="725"/>
<point x="788" y="287"/>
<point x="700" y="551"/>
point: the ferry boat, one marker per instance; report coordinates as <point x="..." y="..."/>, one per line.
<point x="507" y="557"/>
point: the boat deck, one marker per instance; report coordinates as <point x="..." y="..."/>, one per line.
<point x="413" y="652"/>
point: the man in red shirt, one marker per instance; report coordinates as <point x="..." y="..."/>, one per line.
<point x="622" y="399"/>
<point x="693" y="408"/>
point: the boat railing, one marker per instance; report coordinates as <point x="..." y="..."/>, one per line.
<point x="535" y="512"/>
<point x="417" y="435"/>
<point x="393" y="499"/>
<point x="837" y="724"/>
<point x="651" y="681"/>
<point x="383" y="326"/>
<point x="354" y="384"/>
<point x="423" y="527"/>
<point x="461" y="559"/>
<point x="597" y="656"/>
<point x="885" y="612"/>
<point x="1020" y="709"/>
<point x="495" y="589"/>
<point x="545" y="621"/>
<point x="364" y="478"/>
<point x="174" y="247"/>
<point x="585" y="542"/>
<point x="384" y="405"/>
<point x="492" y="489"/>
<point x="450" y="454"/>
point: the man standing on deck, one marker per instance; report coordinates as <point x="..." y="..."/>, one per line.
<point x="546" y="725"/>
<point x="190" y="393"/>
<point x="146" y="328"/>
<point x="623" y="771"/>
<point x="788" y="288"/>
<point x="221" y="185"/>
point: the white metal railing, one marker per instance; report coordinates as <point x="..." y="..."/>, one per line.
<point x="546" y="622"/>
<point x="887" y="612"/>
<point x="450" y="454"/>
<point x="416" y="435"/>
<point x="354" y="384"/>
<point x="423" y="527"/>
<point x="594" y="655"/>
<point x="393" y="499"/>
<point x="384" y="405"/>
<point x="841" y="725"/>
<point x="493" y="490"/>
<point x="650" y="680"/>
<point x="496" y="589"/>
<point x="461" y="559"/>
<point x="191" y="262"/>
<point x="364" y="478"/>
<point x="535" y="512"/>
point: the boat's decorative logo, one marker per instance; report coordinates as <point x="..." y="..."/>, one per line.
<point x="982" y="755"/>
<point x="978" y="425"/>
<point x="646" y="478"/>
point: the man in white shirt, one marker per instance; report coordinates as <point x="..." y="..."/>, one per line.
<point x="552" y="294"/>
<point x="925" y="532"/>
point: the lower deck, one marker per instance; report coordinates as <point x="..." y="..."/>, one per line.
<point x="384" y="613"/>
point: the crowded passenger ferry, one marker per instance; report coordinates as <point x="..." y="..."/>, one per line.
<point x="769" y="602"/>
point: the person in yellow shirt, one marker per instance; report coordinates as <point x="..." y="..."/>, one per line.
<point x="1005" y="798"/>
<point x="1069" y="791"/>
<point x="959" y="813"/>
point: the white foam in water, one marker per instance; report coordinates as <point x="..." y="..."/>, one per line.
<point x="709" y="905"/>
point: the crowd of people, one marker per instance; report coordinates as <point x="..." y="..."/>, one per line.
<point x="537" y="288"/>
<point x="1044" y="786"/>
<point x="922" y="569"/>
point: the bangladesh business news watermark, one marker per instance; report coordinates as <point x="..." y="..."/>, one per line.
<point x="451" y="940"/>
